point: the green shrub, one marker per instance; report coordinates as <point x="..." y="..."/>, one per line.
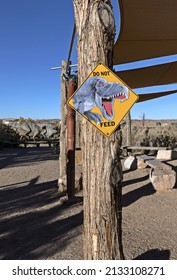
<point x="7" y="134"/>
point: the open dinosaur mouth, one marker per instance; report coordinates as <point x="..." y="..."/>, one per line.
<point x="107" y="102"/>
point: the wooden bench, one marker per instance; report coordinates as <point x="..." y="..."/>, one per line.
<point x="126" y="149"/>
<point x="38" y="143"/>
<point x="144" y="160"/>
<point x="161" y="175"/>
<point x="158" y="165"/>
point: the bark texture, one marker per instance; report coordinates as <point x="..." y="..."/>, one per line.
<point x="128" y="125"/>
<point x="62" y="156"/>
<point x="102" y="171"/>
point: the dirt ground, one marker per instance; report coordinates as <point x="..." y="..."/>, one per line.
<point x="35" y="225"/>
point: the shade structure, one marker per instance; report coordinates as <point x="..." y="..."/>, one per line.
<point x="150" y="76"/>
<point x="149" y="96"/>
<point x="148" y="30"/>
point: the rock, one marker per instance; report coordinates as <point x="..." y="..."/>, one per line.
<point x="162" y="180"/>
<point x="130" y="163"/>
<point x="141" y="164"/>
<point x="166" y="154"/>
<point x="142" y="161"/>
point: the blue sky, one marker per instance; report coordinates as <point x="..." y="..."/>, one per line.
<point x="35" y="36"/>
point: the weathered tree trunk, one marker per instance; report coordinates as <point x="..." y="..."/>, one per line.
<point x="102" y="171"/>
<point x="62" y="156"/>
<point x="128" y="127"/>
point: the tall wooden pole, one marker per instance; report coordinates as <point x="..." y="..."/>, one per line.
<point x="62" y="156"/>
<point x="128" y="127"/>
<point x="102" y="171"/>
<point x="71" y="86"/>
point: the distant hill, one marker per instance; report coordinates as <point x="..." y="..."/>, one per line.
<point x="47" y="120"/>
<point x="35" y="120"/>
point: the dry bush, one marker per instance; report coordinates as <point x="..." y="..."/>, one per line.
<point x="164" y="136"/>
<point x="7" y="134"/>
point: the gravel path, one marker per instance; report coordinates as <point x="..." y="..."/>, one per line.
<point x="35" y="225"/>
<point x="149" y="218"/>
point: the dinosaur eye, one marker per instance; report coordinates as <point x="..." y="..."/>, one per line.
<point x="101" y="84"/>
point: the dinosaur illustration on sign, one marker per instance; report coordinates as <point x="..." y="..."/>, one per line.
<point x="97" y="91"/>
<point x="103" y="99"/>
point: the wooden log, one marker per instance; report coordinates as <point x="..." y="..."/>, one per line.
<point x="145" y="148"/>
<point x="63" y="154"/>
<point x="129" y="149"/>
<point x="162" y="180"/>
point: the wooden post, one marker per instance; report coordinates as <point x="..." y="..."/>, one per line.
<point x="128" y="127"/>
<point x="101" y="166"/>
<point x="72" y="85"/>
<point x="62" y="156"/>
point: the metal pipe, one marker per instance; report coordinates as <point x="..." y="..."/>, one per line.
<point x="59" y="67"/>
<point x="71" y="47"/>
<point x="70" y="167"/>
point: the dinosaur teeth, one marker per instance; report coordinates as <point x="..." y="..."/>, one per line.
<point x="113" y="96"/>
<point x="107" y="98"/>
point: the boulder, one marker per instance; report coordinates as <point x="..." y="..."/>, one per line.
<point x="142" y="161"/>
<point x="130" y="163"/>
<point x="166" y="154"/>
<point x="162" y="180"/>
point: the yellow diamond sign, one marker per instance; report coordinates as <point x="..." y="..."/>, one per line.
<point x="103" y="99"/>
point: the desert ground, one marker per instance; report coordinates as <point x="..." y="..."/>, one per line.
<point x="34" y="224"/>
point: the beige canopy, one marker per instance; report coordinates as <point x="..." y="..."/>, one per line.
<point x="148" y="96"/>
<point x="148" y="30"/>
<point x="150" y="76"/>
